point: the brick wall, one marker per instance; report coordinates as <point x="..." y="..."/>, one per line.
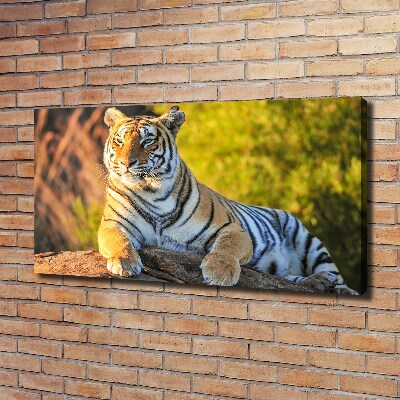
<point x="69" y="338"/>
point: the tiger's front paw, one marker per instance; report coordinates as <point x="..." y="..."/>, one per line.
<point x="124" y="266"/>
<point x="220" y="271"/>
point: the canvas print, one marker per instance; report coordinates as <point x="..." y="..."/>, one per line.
<point x="256" y="194"/>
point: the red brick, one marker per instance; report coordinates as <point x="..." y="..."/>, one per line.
<point x="8" y="273"/>
<point x="367" y="45"/>
<point x="165" y="342"/>
<point x="39" y="99"/>
<point x="41" y="63"/>
<point x="340" y="318"/>
<point x="382" y="172"/>
<point x="306" y="89"/>
<point x="17" y="186"/>
<point x="384" y="66"/>
<point x="63" y="332"/>
<point x="38" y="382"/>
<point x="186" y="93"/>
<point x="218" y="308"/>
<point x="163" y="75"/>
<point x="384" y="109"/>
<point x="190" y="326"/>
<point x="336" y="360"/>
<point x="17" y="117"/>
<point x="164" y="380"/>
<point x="139" y="94"/>
<point x="19" y="362"/>
<point x="267" y="312"/>
<point x="220" y="387"/>
<point x="113" y="337"/>
<point x="215" y="34"/>
<point x="384" y="365"/>
<point x="150" y="4"/>
<point x="7" y="31"/>
<point x="39" y="347"/>
<point x="278" y="354"/>
<point x="247" y="371"/>
<point x="40" y="311"/>
<point x="116" y="77"/>
<point x="8" y="239"/>
<point x="7" y="100"/>
<point x="8" y="169"/>
<point x="14" y="82"/>
<point x="112" y="374"/>
<point x="69" y="9"/>
<point x="25" y="134"/>
<point x="246" y="92"/>
<point x="307" y="337"/>
<point x="223" y="348"/>
<point x="137" y="358"/>
<point x="42" y="28"/>
<point x="123" y="393"/>
<point x="14" y="394"/>
<point x="276" y="29"/>
<point x="138" y="20"/>
<point x="62" y="79"/>
<point x="262" y="392"/>
<point x="87" y="317"/>
<point x="8" y="309"/>
<point x="62" y="44"/>
<point x="383" y="322"/>
<point x="8" y="344"/>
<point x="89" y="24"/>
<point x="387" y="235"/>
<point x="16" y="222"/>
<point x="112" y="300"/>
<point x="16" y="256"/>
<point x="19" y="328"/>
<point x="106" y="7"/>
<point x="375" y="300"/>
<point x="21" y="12"/>
<point x="334" y="67"/>
<point x="307" y="7"/>
<point x="138" y="321"/>
<point x="63" y="295"/>
<point x="88" y="389"/>
<point x="8" y="203"/>
<point x="309" y="48"/>
<point x="111" y="40"/>
<point x="191" y="16"/>
<point x="87" y="96"/>
<point x="246" y="330"/>
<point x="8" y="378"/>
<point x="243" y="12"/>
<point x="25" y="204"/>
<point x="225" y="72"/>
<point x="64" y="368"/>
<point x="7" y="65"/>
<point x="351" y="6"/>
<point x="163" y="37"/>
<point x="247" y="51"/>
<point x="368" y="385"/>
<point x="86" y="353"/>
<point x="197" y="365"/>
<point x="366" y="342"/>
<point x="138" y="57"/>
<point x="88" y="60"/>
<point x="307" y="378"/>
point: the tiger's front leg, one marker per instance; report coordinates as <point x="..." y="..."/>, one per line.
<point x="122" y="257"/>
<point x="231" y="249"/>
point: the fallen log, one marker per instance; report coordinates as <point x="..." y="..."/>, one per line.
<point x="159" y="265"/>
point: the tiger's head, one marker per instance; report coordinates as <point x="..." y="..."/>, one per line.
<point x="142" y="148"/>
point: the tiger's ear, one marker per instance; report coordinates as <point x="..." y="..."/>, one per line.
<point x="173" y="119"/>
<point x="112" y="115"/>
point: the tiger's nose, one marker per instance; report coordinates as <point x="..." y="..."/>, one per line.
<point x="129" y="163"/>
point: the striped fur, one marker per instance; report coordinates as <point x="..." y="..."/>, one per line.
<point x="153" y="199"/>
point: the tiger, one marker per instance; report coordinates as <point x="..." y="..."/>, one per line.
<point x="153" y="199"/>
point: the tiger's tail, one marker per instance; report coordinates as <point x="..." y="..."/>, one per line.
<point x="316" y="267"/>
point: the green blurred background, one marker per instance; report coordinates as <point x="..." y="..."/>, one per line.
<point x="303" y="156"/>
